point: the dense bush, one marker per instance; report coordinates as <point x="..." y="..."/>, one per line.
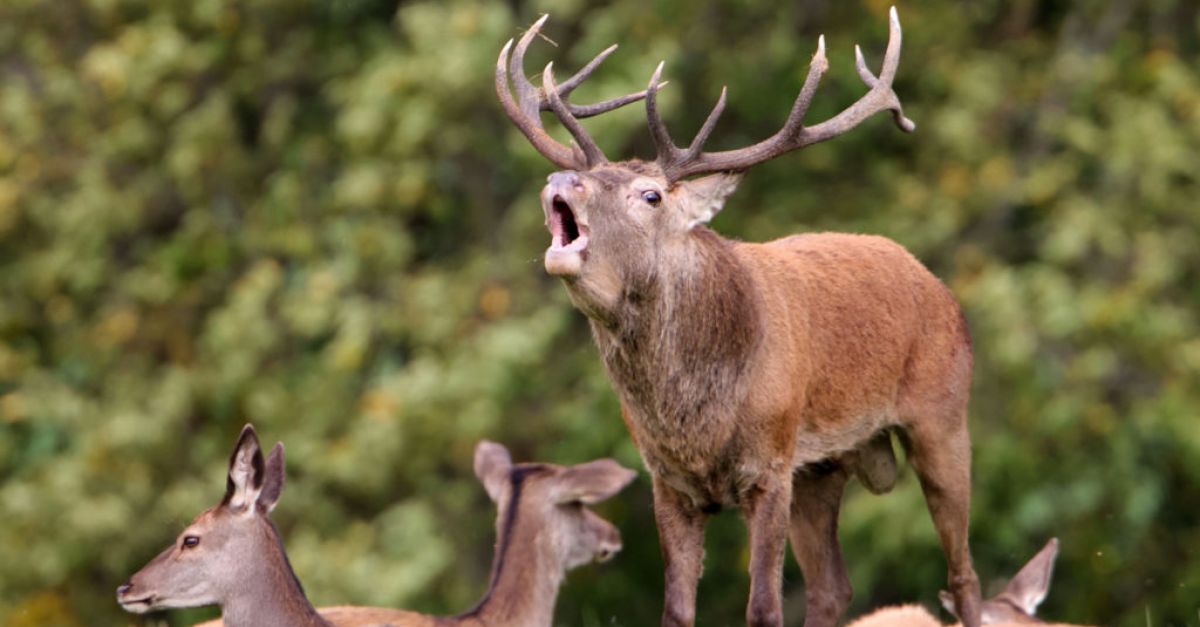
<point x="313" y="216"/>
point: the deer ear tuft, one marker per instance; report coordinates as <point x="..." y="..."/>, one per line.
<point x="703" y="198"/>
<point x="493" y="466"/>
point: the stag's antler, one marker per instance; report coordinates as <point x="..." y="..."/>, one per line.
<point x="677" y="162"/>
<point x="526" y="113"/>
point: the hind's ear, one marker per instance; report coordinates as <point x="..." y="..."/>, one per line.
<point x="702" y="198"/>
<point x="591" y="482"/>
<point x="493" y="466"/>
<point x="947" y="600"/>
<point x="245" y="479"/>
<point x="272" y="479"/>
<point x="1029" y="586"/>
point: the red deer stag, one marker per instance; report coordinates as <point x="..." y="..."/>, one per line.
<point x="755" y="375"/>
<point x="231" y="555"/>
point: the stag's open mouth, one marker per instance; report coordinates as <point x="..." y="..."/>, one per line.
<point x="564" y="229"/>
<point x="568" y="239"/>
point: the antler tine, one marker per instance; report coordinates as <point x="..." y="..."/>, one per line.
<point x="668" y="152"/>
<point x="891" y="57"/>
<point x="816" y="70"/>
<point x="891" y="60"/>
<point x="864" y="72"/>
<point x="670" y="155"/>
<point x="794" y="134"/>
<point x="531" y="97"/>
<point x="570" y="84"/>
<point x="586" y="111"/>
<point x="707" y="128"/>
<point x="529" y="124"/>
<point x="592" y="153"/>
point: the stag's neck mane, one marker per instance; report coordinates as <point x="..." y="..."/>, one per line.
<point x="677" y="341"/>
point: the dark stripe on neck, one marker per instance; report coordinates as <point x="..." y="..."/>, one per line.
<point x="518" y="476"/>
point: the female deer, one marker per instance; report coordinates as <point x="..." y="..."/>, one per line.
<point x="231" y="555"/>
<point x="1015" y="605"/>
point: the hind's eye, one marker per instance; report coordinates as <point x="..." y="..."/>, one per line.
<point x="190" y="542"/>
<point x="652" y="197"/>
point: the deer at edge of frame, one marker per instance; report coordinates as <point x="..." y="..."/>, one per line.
<point x="1015" y="605"/>
<point x="755" y="375"/>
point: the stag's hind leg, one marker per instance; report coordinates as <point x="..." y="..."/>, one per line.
<point x="940" y="453"/>
<point x="816" y="501"/>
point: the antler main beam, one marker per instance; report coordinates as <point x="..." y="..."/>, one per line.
<point x="678" y="163"/>
<point x="525" y="111"/>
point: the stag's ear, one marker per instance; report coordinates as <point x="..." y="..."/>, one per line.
<point x="245" y="471"/>
<point x="273" y="479"/>
<point x="493" y="466"/>
<point x="1029" y="586"/>
<point x="702" y="198"/>
<point x="592" y="482"/>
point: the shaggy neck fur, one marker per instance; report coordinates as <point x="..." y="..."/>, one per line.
<point x="681" y="337"/>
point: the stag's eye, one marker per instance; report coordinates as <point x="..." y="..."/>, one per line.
<point x="190" y="542"/>
<point x="652" y="197"/>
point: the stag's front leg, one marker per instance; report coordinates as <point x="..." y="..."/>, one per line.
<point x="767" y="509"/>
<point x="681" y="534"/>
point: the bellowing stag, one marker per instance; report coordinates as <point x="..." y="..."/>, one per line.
<point x="755" y="375"/>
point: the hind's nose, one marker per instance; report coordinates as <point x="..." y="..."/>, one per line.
<point x="567" y="178"/>
<point x="124" y="589"/>
<point x="609" y="546"/>
<point x="607" y="551"/>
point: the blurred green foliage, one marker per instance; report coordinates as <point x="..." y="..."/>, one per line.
<point x="312" y="215"/>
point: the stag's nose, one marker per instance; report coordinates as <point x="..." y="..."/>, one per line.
<point x="565" y="179"/>
<point x="124" y="589"/>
